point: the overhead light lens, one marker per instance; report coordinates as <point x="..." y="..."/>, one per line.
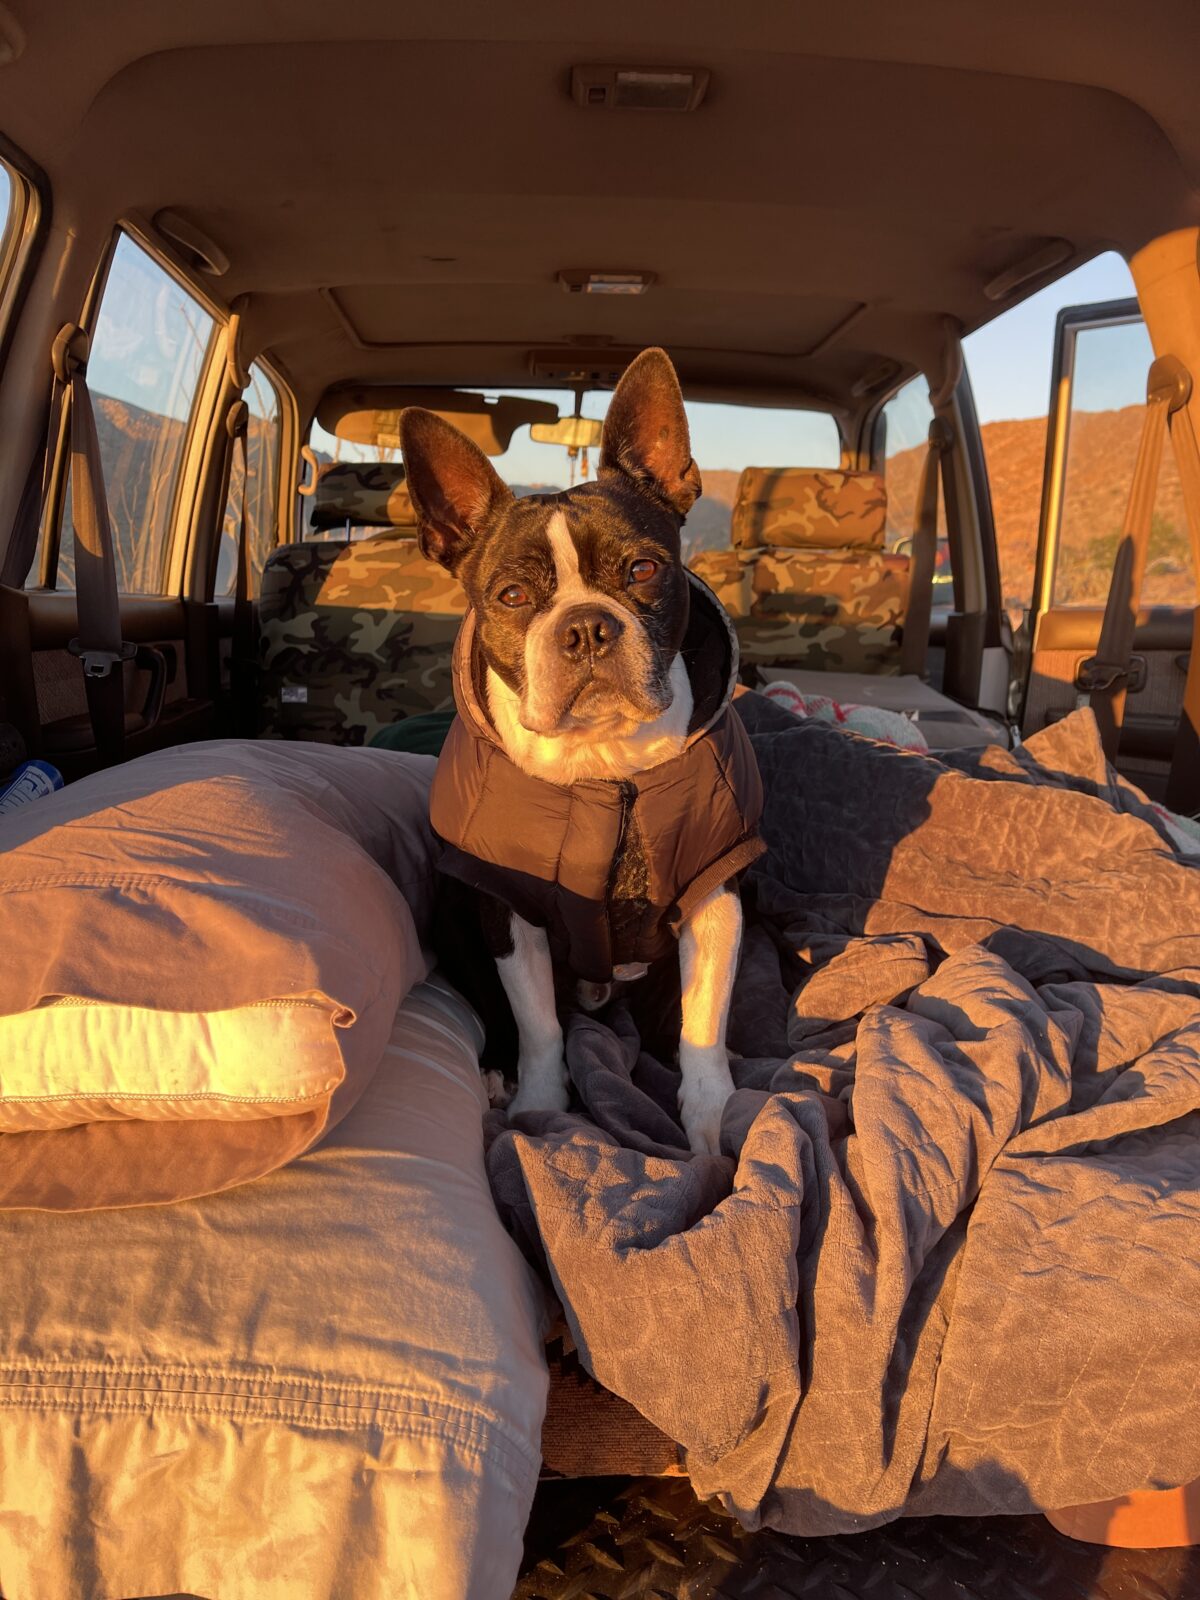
<point x="575" y="281"/>
<point x="655" y="91"/>
<point x="639" y="88"/>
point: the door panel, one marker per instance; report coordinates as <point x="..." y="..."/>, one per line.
<point x="46" y="699"/>
<point x="1102" y="359"/>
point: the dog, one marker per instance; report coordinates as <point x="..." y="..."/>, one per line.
<point x="596" y="793"/>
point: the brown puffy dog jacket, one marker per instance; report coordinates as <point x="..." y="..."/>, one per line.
<point x="551" y="852"/>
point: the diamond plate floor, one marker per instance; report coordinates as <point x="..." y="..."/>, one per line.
<point x="612" y="1539"/>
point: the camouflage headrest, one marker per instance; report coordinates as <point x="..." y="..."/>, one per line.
<point x="806" y="508"/>
<point x="365" y="495"/>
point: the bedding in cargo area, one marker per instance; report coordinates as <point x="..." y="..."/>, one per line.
<point x="950" y="1261"/>
<point x="327" y="1384"/>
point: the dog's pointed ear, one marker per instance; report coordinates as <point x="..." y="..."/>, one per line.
<point x="646" y="432"/>
<point x="456" y="492"/>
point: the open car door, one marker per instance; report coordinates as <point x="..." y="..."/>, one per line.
<point x="1097" y="407"/>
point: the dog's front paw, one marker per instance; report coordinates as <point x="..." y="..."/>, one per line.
<point x="541" y="1085"/>
<point x="706" y="1086"/>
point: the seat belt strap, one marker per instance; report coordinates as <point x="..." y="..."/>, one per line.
<point x="101" y="650"/>
<point x="242" y="661"/>
<point x="22" y="547"/>
<point x="914" y="646"/>
<point x="1107" y="674"/>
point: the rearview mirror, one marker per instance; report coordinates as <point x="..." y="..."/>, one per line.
<point x="580" y="433"/>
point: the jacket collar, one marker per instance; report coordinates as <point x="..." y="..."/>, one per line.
<point x="709" y="651"/>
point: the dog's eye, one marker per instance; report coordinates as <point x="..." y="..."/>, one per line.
<point x="642" y="571"/>
<point x="513" y="596"/>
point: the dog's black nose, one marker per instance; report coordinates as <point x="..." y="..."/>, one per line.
<point x="588" y="631"/>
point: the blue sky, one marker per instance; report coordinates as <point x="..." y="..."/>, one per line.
<point x="1009" y="360"/>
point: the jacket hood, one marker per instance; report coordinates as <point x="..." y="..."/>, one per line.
<point x="709" y="651"/>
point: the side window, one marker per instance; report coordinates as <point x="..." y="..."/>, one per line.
<point x="18" y="214"/>
<point x="262" y="456"/>
<point x="1108" y="366"/>
<point x="905" y="423"/>
<point x="148" y="350"/>
<point x="6" y="209"/>
<point x="1009" y="361"/>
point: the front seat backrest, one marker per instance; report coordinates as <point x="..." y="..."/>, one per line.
<point x="355" y="634"/>
<point x="823" y="591"/>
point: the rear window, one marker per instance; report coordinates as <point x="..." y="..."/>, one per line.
<point x="725" y="438"/>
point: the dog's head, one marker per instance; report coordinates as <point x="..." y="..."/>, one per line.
<point x="581" y="599"/>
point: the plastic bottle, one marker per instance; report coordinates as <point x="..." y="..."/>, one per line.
<point x="30" y="781"/>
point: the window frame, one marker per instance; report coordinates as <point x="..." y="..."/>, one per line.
<point x="52" y="514"/>
<point x="23" y="237"/>
<point x="974" y="556"/>
<point x="286" y="424"/>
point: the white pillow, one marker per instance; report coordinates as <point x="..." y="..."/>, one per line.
<point x="73" y="1060"/>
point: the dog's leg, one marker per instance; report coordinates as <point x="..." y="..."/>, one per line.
<point x="523" y="962"/>
<point x="708" y="956"/>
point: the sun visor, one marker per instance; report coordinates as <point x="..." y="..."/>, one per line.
<point x="370" y="414"/>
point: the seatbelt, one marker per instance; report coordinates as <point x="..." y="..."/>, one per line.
<point x="23" y="545"/>
<point x="1106" y="676"/>
<point x="243" y="663"/>
<point x="99" y="645"/>
<point x="914" y="646"/>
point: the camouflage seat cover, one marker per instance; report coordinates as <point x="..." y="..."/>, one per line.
<point x="808" y="581"/>
<point x="805" y="508"/>
<point x="362" y="495"/>
<point x="353" y="635"/>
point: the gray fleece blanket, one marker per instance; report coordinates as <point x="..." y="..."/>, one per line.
<point x="950" y="1260"/>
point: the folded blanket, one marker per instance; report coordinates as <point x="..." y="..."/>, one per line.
<point x="950" y="1260"/>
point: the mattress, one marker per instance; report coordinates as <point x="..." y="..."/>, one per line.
<point x="325" y="1384"/>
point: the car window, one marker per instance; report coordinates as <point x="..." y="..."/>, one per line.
<point x="1108" y="388"/>
<point x="148" y="349"/>
<point x="262" y="456"/>
<point x="6" y="208"/>
<point x="725" y="438"/>
<point x="1009" y="362"/>
<point x="904" y="422"/>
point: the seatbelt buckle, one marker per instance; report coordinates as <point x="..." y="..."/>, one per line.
<point x="99" y="663"/>
<point x="1094" y="676"/>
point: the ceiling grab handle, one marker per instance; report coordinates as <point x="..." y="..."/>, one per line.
<point x="236" y="370"/>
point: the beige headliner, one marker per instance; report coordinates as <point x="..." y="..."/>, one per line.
<point x="418" y="173"/>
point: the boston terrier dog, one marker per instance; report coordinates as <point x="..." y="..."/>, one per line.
<point x="596" y="792"/>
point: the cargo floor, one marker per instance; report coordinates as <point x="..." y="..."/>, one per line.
<point x="622" y="1539"/>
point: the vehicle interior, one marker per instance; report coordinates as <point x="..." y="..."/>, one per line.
<point x="440" y="277"/>
<point x="240" y="240"/>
